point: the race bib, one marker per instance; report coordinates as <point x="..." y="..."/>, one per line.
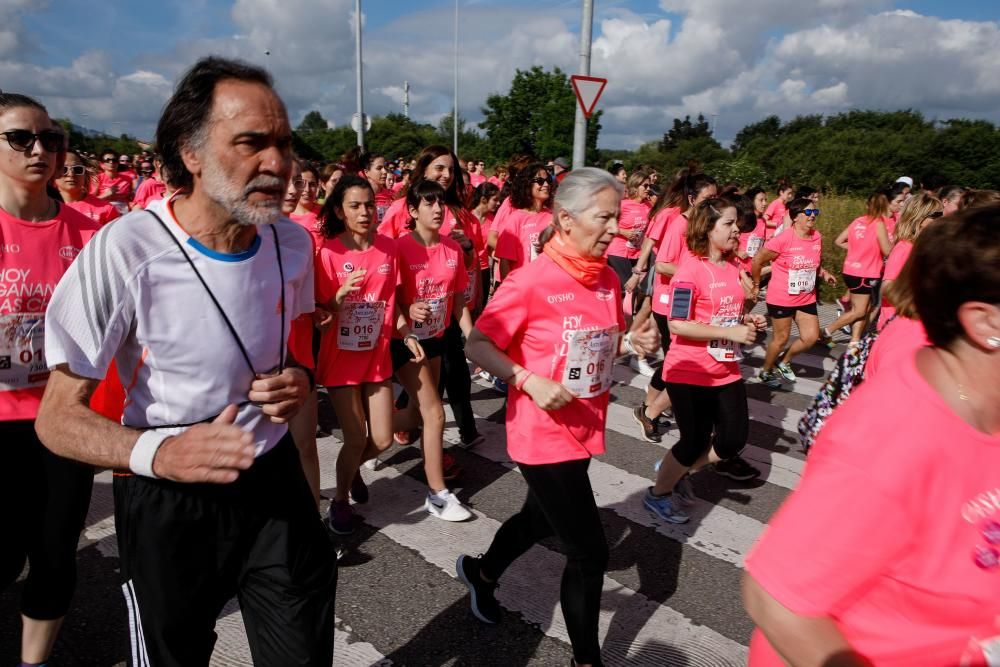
<point x="533" y="247"/>
<point x="433" y="326"/>
<point x="754" y="244"/>
<point x="725" y="350"/>
<point x="470" y="289"/>
<point x="360" y="324"/>
<point x="801" y="281"/>
<point x="22" y="351"/>
<point x="589" y="360"/>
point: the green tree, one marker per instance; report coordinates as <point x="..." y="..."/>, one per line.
<point x="536" y="117"/>
<point x="768" y="129"/>
<point x="313" y="121"/>
<point x="684" y="130"/>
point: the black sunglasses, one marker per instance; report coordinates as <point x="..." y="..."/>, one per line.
<point x="109" y="160"/>
<point x="23" y="140"/>
<point x="74" y="170"/>
<point x="538" y="180"/>
<point x="935" y="215"/>
<point x="145" y="172"/>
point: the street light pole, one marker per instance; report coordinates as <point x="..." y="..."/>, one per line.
<point x="580" y="129"/>
<point x="360" y="91"/>
<point x="454" y="108"/>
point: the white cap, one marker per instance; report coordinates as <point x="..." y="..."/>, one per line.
<point x="905" y="179"/>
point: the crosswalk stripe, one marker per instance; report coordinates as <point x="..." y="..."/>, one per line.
<point x="399" y="515"/>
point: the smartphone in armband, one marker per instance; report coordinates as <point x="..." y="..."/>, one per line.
<point x="681" y="301"/>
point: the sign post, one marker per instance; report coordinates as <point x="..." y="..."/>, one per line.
<point x="580" y="129"/>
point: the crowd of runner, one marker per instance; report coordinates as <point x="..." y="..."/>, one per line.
<point x="171" y="316"/>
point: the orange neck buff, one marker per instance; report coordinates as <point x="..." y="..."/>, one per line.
<point x="584" y="269"/>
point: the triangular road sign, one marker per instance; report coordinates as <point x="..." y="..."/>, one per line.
<point x="588" y="90"/>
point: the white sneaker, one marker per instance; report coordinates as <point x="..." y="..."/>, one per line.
<point x="449" y="508"/>
<point x="641" y="366"/>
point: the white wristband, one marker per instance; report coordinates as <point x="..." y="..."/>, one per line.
<point x="141" y="460"/>
<point x="627" y="343"/>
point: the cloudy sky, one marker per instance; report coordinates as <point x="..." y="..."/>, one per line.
<point x="111" y="65"/>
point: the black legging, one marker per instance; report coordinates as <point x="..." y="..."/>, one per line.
<point x="656" y="382"/>
<point x="455" y="379"/>
<point x="560" y="502"/>
<point x="44" y="500"/>
<point x="699" y="411"/>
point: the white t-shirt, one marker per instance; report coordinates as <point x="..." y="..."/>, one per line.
<point x="132" y="296"/>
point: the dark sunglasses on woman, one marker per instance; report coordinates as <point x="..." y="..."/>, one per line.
<point x="22" y="140"/>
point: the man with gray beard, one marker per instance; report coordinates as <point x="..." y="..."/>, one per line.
<point x="193" y="298"/>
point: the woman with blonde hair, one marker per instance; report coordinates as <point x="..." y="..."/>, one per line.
<point x="917" y="213"/>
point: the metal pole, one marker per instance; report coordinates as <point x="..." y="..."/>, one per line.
<point x="406" y="99"/>
<point x="454" y="108"/>
<point x="361" y="102"/>
<point x="580" y="130"/>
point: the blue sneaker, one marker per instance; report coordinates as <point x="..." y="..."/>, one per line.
<point x="769" y="379"/>
<point x="500" y="385"/>
<point x="663" y="508"/>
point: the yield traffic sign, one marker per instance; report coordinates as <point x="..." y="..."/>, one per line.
<point x="588" y="90"/>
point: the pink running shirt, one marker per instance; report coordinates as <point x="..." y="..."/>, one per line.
<point x="149" y="190"/>
<point x="433" y="274"/>
<point x="350" y="351"/>
<point x="904" y="559"/>
<point x="717" y="300"/>
<point x="775" y="215"/>
<point x="33" y="257"/>
<point x="751" y="243"/>
<point x="658" y="225"/>
<point x="632" y="219"/>
<point x="674" y="250"/>
<point x="310" y="222"/>
<point x="516" y="242"/>
<point x="794" y="269"/>
<point x="896" y="342"/>
<point x="864" y="255"/>
<point x="96" y="209"/>
<point x="893" y="265"/>
<point x="531" y="316"/>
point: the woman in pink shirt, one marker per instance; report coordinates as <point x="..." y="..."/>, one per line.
<point x="776" y="211"/>
<point x="306" y="209"/>
<point x="567" y="300"/>
<point x="888" y="552"/>
<point x="373" y="168"/>
<point x="44" y="497"/>
<point x="112" y="186"/>
<point x="356" y="276"/>
<point x="531" y="201"/>
<point x="919" y="211"/>
<point x="329" y="175"/>
<point x="692" y="189"/>
<point x="484" y="203"/>
<point x="753" y="240"/>
<point x="624" y="251"/>
<point x="708" y="321"/>
<point x="72" y="185"/>
<point x="431" y="287"/>
<point x="867" y="243"/>
<point x="300" y="345"/>
<point x="795" y="257"/>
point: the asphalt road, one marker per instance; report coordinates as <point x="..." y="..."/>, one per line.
<point x="671" y="593"/>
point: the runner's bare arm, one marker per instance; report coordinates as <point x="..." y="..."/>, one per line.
<point x="215" y="452"/>
<point x="547" y="394"/>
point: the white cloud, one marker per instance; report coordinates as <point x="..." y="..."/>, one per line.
<point x="732" y="58"/>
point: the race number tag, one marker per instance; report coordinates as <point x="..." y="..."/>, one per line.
<point x="801" y="281"/>
<point x="533" y="247"/>
<point x="359" y="326"/>
<point x="22" y="351"/>
<point x="470" y="289"/>
<point x="635" y="241"/>
<point x="754" y="244"/>
<point x="589" y="359"/>
<point x="434" y="324"/>
<point x="725" y="350"/>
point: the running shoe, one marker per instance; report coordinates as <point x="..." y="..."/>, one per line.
<point x="647" y="427"/>
<point x="684" y="492"/>
<point x="446" y="506"/>
<point x="484" y="602"/>
<point x="841" y="309"/>
<point x="825" y="338"/>
<point x="449" y="467"/>
<point x="663" y="507"/>
<point x="737" y="469"/>
<point x="340" y="516"/>
<point x="500" y="385"/>
<point x="786" y="371"/>
<point x="641" y="366"/>
<point x="472" y="442"/>
<point x="359" y="490"/>
<point x="769" y="379"/>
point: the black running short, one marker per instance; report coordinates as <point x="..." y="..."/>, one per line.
<point x="857" y="285"/>
<point x="781" y="312"/>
